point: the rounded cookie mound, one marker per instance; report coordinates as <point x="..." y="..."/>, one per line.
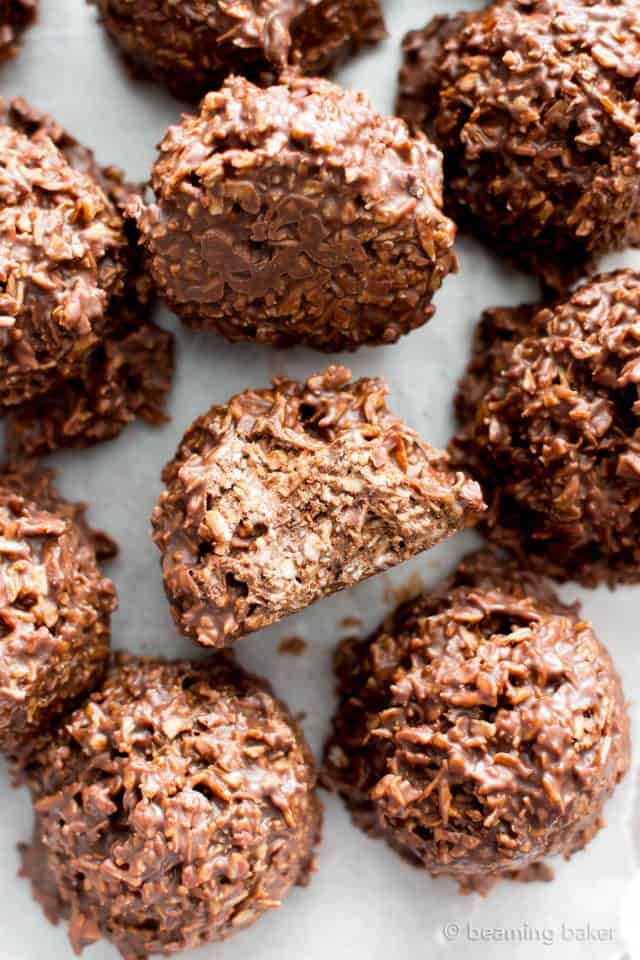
<point x="192" y="47"/>
<point x="173" y="808"/>
<point x="297" y="214"/>
<point x="63" y="259"/>
<point x="54" y="606"/>
<point x="285" y="496"/>
<point x="535" y="107"/>
<point x="550" y="414"/>
<point x="481" y="728"/>
<point x="76" y="389"/>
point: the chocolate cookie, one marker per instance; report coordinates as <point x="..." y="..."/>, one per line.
<point x="550" y="418"/>
<point x="192" y="46"/>
<point x="297" y="214"/>
<point x="55" y="605"/>
<point x="74" y="301"/>
<point x="173" y="808"/>
<point x="534" y="104"/>
<point x="285" y="496"/>
<point x="481" y="728"/>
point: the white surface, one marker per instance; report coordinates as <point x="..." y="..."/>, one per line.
<point x="364" y="902"/>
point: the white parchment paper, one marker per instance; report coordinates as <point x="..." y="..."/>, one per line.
<point x="364" y="903"/>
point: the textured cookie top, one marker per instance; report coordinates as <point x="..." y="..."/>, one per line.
<point x="123" y="368"/>
<point x="284" y="496"/>
<point x="127" y="375"/>
<point x="553" y="432"/>
<point x="298" y="214"/>
<point x="481" y="728"/>
<point x="193" y="44"/>
<point x="62" y="251"/>
<point x="535" y="106"/>
<point x="174" y="807"/>
<point x="54" y="605"/>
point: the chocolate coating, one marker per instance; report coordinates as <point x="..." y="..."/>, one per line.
<point x="54" y="606"/>
<point x="535" y="106"/>
<point x="62" y="260"/>
<point x="15" y="16"/>
<point x="173" y="808"/>
<point x="549" y="411"/>
<point x="297" y="214"/>
<point x="128" y="375"/>
<point x="481" y="728"/>
<point x="74" y="301"/>
<point x="285" y="496"/>
<point x="192" y="45"/>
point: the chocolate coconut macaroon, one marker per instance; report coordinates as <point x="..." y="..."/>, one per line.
<point x="55" y="606"/>
<point x="192" y="47"/>
<point x="78" y="357"/>
<point x="287" y="495"/>
<point x="481" y="728"/>
<point x="173" y="808"/>
<point x="15" y="17"/>
<point x="550" y="415"/>
<point x="535" y="107"/>
<point x="297" y="214"/>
